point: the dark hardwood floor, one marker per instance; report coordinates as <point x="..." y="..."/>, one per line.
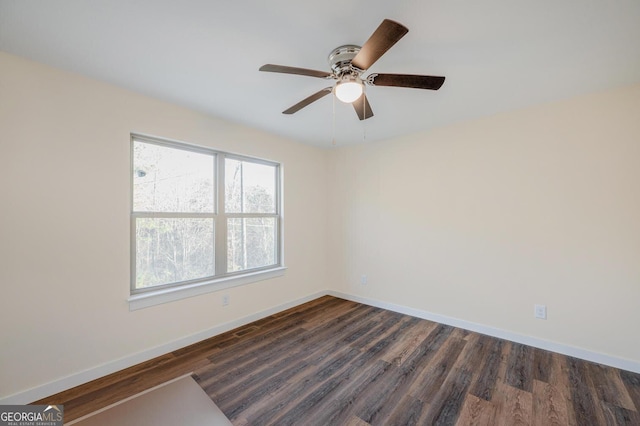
<point x="336" y="362"/>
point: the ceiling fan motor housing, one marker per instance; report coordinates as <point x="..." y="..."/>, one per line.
<point x="340" y="59"/>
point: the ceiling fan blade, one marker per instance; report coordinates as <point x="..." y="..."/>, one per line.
<point x="303" y="103"/>
<point x="293" y="70"/>
<point x="362" y="107"/>
<point x="406" y="80"/>
<point x="385" y="36"/>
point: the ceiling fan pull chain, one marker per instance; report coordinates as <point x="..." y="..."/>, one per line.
<point x="364" y="108"/>
<point x="333" y="120"/>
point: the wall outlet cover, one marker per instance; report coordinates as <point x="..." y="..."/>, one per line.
<point x="540" y="311"/>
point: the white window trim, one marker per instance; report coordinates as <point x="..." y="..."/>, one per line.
<point x="170" y="294"/>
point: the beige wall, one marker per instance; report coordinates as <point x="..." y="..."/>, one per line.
<point x="482" y="220"/>
<point x="64" y="228"/>
<point x="476" y="221"/>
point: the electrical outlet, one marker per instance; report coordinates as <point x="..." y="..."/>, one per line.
<point x="363" y="280"/>
<point x="225" y="300"/>
<point x="540" y="311"/>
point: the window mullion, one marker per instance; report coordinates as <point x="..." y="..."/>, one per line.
<point x="221" y="219"/>
<point x="250" y="215"/>
<point x="173" y="215"/>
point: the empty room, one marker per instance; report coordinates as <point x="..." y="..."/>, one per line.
<point x="337" y="213"/>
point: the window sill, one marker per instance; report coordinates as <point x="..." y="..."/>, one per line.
<point x="153" y="298"/>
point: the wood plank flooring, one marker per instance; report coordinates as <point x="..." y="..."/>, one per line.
<point x="337" y="362"/>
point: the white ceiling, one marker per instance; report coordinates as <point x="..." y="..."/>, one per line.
<point x="497" y="55"/>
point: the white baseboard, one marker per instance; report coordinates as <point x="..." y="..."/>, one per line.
<point x="82" y="377"/>
<point x="51" y="388"/>
<point x="585" y="354"/>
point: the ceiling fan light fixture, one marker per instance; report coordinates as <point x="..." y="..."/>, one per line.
<point x="348" y="91"/>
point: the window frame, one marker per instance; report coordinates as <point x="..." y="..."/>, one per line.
<point x="144" y="297"/>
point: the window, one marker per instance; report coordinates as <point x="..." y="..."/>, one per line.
<point x="200" y="215"/>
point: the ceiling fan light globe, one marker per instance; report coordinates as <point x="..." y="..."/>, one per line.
<point x="348" y="91"/>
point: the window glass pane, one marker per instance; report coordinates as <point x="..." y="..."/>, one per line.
<point x="171" y="180"/>
<point x="251" y="243"/>
<point x="170" y="250"/>
<point x="250" y="187"/>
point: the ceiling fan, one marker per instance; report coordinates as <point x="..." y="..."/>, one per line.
<point x="349" y="62"/>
